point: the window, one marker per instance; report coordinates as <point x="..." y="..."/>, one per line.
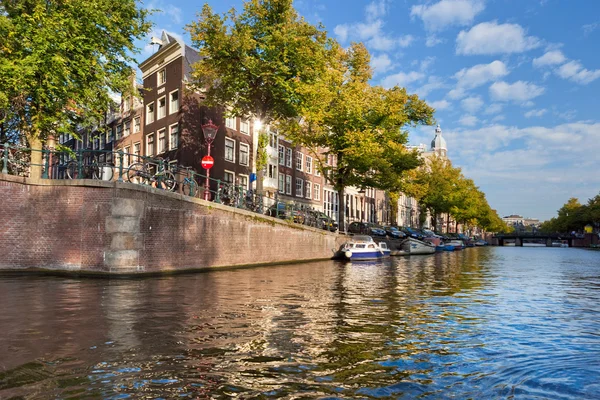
<point x="288" y="157"/>
<point x="162" y="77"/>
<point x="136" y="151"/>
<point x="229" y="150"/>
<point x="299" y="187"/>
<point x="317" y="188"/>
<point x="126" y="156"/>
<point x="126" y="105"/>
<point x="309" y="164"/>
<point x="272" y="139"/>
<point x="162" y="142"/>
<point x="150" y="145"/>
<point x="288" y="184"/>
<point x="228" y="177"/>
<point x="244" y="154"/>
<point x="230" y="122"/>
<point x="299" y="160"/>
<point x="126" y="128"/>
<point x="307" y="188"/>
<point x="150" y="113"/>
<point x="281" y="155"/>
<point x="243" y="181"/>
<point x="317" y="172"/>
<point x="102" y="140"/>
<point x="174" y="137"/>
<point x="162" y="108"/>
<point x="244" y="126"/>
<point x="174" y="102"/>
<point x="136" y="125"/>
<point x="272" y="171"/>
<point x="281" y="183"/>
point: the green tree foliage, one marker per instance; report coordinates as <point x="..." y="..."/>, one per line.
<point x="256" y="63"/>
<point x="60" y="61"/>
<point x="574" y="216"/>
<point x="360" y="125"/>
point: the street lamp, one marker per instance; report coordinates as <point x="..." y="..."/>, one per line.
<point x="210" y="132"/>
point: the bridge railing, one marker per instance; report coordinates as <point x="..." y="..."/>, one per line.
<point x="116" y="165"/>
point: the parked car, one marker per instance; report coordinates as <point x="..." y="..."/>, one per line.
<point x="376" y="230"/>
<point x="412" y="232"/>
<point x="358" y="228"/>
<point x="285" y="211"/>
<point x="394" y="232"/>
<point x="324" y="221"/>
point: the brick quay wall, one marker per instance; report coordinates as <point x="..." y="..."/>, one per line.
<point x="96" y="227"/>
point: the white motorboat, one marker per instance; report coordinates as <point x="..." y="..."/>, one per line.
<point x="412" y="246"/>
<point x="457" y="243"/>
<point x="362" y="247"/>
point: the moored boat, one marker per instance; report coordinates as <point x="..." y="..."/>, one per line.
<point x="362" y="247"/>
<point x="412" y="246"/>
<point x="457" y="243"/>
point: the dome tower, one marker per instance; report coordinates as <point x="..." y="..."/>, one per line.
<point x="438" y="144"/>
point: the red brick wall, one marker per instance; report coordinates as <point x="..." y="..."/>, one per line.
<point x="62" y="225"/>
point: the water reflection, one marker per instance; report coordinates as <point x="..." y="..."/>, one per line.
<point x="491" y="322"/>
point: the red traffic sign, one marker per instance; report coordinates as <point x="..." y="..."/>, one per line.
<point x="208" y="162"/>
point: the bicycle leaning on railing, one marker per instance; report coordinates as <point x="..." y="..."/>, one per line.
<point x="17" y="159"/>
<point x="152" y="174"/>
<point x="92" y="169"/>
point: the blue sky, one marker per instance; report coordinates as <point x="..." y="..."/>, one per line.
<point x="515" y="83"/>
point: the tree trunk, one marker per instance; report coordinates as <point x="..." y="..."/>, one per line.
<point x="341" y="210"/>
<point x="35" y="144"/>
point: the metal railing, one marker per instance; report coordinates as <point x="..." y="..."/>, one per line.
<point x="109" y="165"/>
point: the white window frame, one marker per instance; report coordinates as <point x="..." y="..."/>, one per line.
<point x="150" y="115"/>
<point x="240" y="177"/>
<point x="159" y="114"/>
<point x="299" y="187"/>
<point x="230" y="122"/>
<point x="126" y="128"/>
<point x="299" y="161"/>
<point x="288" y="157"/>
<point x="137" y="124"/>
<point x="137" y="153"/>
<point x="308" y="165"/>
<point x="161" y="77"/>
<point x="119" y="133"/>
<point x="171" y="147"/>
<point x="126" y="104"/>
<point x="225" y="172"/>
<point x="281" y="154"/>
<point x="247" y="147"/>
<point x="161" y="136"/>
<point x="126" y="156"/>
<point x="173" y="106"/>
<point x="271" y="171"/>
<point x="307" y="189"/>
<point x="232" y="152"/>
<point x="244" y="126"/>
<point x="281" y="183"/>
<point x="288" y="184"/>
<point x="317" y="191"/>
<point x="148" y="153"/>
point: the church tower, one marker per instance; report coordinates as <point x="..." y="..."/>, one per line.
<point x="438" y="144"/>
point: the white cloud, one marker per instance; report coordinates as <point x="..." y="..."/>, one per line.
<point x="535" y="113"/>
<point x="494" y="108"/>
<point x="498" y="118"/>
<point x="438" y="16"/>
<point x="519" y="91"/>
<point x="341" y="31"/>
<point x="550" y="58"/>
<point x="528" y="104"/>
<point x="433" y="83"/>
<point x="381" y="63"/>
<point x="457" y="93"/>
<point x="382" y="43"/>
<point x="440" y="105"/>
<point x="477" y="75"/>
<point x="575" y="72"/>
<point x="375" y="10"/>
<point x="405" y="41"/>
<point x="468" y="120"/>
<point x="167" y="9"/>
<point x="472" y="104"/>
<point x="433" y="40"/>
<point x="490" y="38"/>
<point x="426" y="63"/>
<point x="589" y="28"/>
<point x="401" y="79"/>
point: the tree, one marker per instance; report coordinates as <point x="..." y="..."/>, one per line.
<point x="61" y="60"/>
<point x="361" y="126"/>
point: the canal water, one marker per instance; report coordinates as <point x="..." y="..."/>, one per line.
<point x="482" y="323"/>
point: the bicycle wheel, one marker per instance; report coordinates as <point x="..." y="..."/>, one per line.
<point x="72" y="170"/>
<point x="190" y="188"/>
<point x="136" y="173"/>
<point x="167" y="181"/>
<point x="103" y="171"/>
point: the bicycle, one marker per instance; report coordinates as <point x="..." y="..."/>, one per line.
<point x="19" y="160"/>
<point x="92" y="170"/>
<point x="141" y="173"/>
<point x="189" y="186"/>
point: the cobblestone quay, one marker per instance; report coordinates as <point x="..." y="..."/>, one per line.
<point x="96" y="227"/>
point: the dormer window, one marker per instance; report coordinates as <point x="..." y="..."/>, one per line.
<point x="162" y="77"/>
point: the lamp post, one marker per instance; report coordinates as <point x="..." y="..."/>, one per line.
<point x="210" y="132"/>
